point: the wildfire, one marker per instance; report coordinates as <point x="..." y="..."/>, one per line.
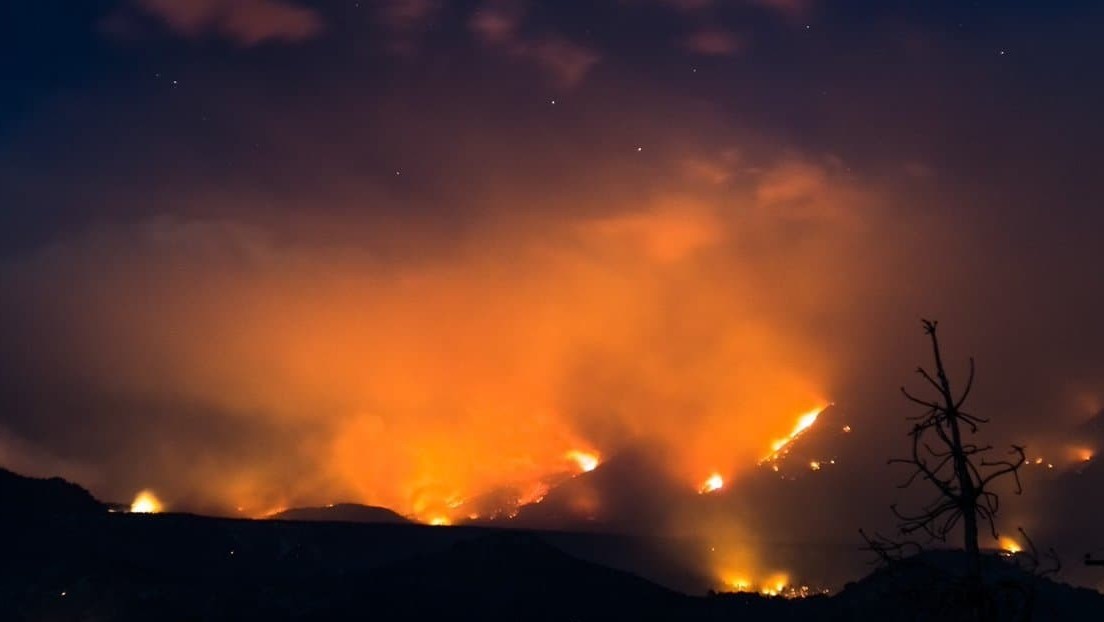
<point x="740" y="584"/>
<point x="146" y="503"/>
<point x="1009" y="545"/>
<point x="586" y="461"/>
<point x="777" y="584"/>
<point x="440" y="521"/>
<point x="804" y="422"/>
<point x="534" y="494"/>
<point x="713" y="484"/>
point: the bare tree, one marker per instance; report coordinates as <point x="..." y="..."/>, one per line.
<point x="959" y="469"/>
<point x="962" y="478"/>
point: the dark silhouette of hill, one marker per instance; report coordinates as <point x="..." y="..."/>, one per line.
<point x="927" y="587"/>
<point x="504" y="576"/>
<point x="95" y="565"/>
<point x="343" y="513"/>
<point x="169" y="567"/>
<point x="25" y="497"/>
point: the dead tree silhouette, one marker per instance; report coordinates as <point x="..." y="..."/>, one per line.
<point x="963" y="477"/>
<point x="955" y="466"/>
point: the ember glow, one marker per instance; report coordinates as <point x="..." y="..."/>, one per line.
<point x="804" y="422"/>
<point x="146" y="503"/>
<point x="585" y="460"/>
<point x="714" y="483"/>
<point x="773" y="584"/>
<point x="1009" y="545"/>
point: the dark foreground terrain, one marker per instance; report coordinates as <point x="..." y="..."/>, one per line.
<point x="66" y="558"/>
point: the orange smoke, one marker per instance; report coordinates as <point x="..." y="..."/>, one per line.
<point x="479" y="365"/>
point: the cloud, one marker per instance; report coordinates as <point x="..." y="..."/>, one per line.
<point x="406" y="21"/>
<point x="714" y="169"/>
<point x="544" y="331"/>
<point x="790" y="8"/>
<point x="714" y="42"/>
<point x="246" y="22"/>
<point x="688" y="6"/>
<point x="408" y="13"/>
<point x="500" y="27"/>
<point x="666" y="235"/>
<point x="496" y="26"/>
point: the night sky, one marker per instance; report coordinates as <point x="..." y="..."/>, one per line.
<point x="257" y="253"/>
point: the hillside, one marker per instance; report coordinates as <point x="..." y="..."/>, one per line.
<point x="341" y="512"/>
<point x="27" y="497"/>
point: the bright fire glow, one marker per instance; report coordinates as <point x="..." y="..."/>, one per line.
<point x="777" y="584"/>
<point x="804" y="422"/>
<point x="146" y="503"/>
<point x="534" y="494"/>
<point x="586" y="461"/>
<point x="479" y="382"/>
<point x="740" y="584"/>
<point x="713" y="484"/>
<point x="440" y="521"/>
<point x="1009" y="545"/>
<point x="774" y="585"/>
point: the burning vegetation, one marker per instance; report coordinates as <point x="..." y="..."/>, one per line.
<point x="146" y="503"/>
<point x="714" y="483"/>
<point x="587" y="461"/>
<point x="776" y="584"/>
<point x="781" y="447"/>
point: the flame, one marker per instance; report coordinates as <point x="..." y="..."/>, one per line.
<point x="587" y="461"/>
<point x="814" y="465"/>
<point x="146" y="503"/>
<point x="534" y="494"/>
<point x="740" y="584"/>
<point x="713" y="484"/>
<point x="440" y="521"/>
<point x="775" y="585"/>
<point x="1009" y="545"/>
<point x="804" y="422"/>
